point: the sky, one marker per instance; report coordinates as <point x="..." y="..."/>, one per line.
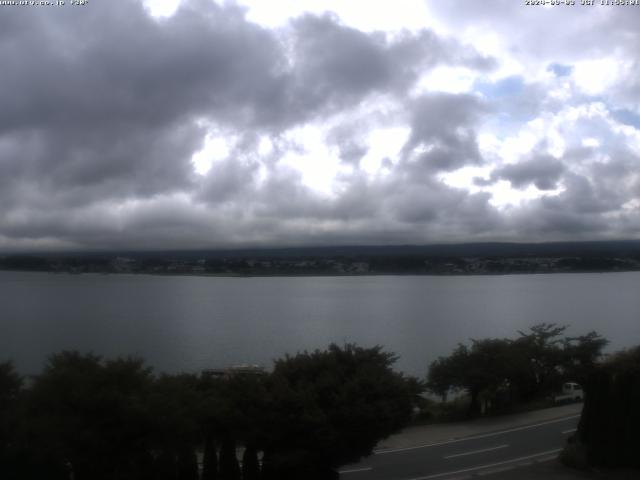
<point x="255" y="123"/>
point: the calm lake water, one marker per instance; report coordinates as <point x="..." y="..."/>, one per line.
<point x="191" y="323"/>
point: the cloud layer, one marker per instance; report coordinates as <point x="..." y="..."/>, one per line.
<point x="207" y="129"/>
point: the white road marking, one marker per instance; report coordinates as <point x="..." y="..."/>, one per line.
<point x="476" y="451"/>
<point x="473" y="437"/>
<point x="355" y="470"/>
<point x="571" y="430"/>
<point x="489" y="465"/>
<point x="493" y="471"/>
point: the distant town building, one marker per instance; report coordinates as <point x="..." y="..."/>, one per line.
<point x="234" y="371"/>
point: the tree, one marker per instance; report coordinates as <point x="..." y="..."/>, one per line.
<point x="495" y="373"/>
<point x="488" y="372"/>
<point x="187" y="464"/>
<point x="174" y="404"/>
<point x="209" y="459"/>
<point x="610" y="421"/>
<point x="89" y="416"/>
<point x="541" y="351"/>
<point x="10" y="386"/>
<point x="445" y="373"/>
<point x="10" y="390"/>
<point x="250" y="465"/>
<point x="482" y="370"/>
<point x="229" y="468"/>
<point x="582" y="354"/>
<point x="232" y="413"/>
<point x="329" y="408"/>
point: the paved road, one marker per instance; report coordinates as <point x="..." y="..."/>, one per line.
<point x="479" y="454"/>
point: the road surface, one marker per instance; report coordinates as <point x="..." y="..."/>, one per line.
<point x="465" y="457"/>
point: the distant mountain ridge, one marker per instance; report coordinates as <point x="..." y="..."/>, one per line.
<point x="494" y="249"/>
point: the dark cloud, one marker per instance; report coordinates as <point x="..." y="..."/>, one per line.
<point x="350" y="143"/>
<point x="588" y="207"/>
<point x="335" y="65"/>
<point x="118" y="64"/>
<point x="440" y="211"/>
<point x="105" y="104"/>
<point x="542" y="170"/>
<point x="442" y="132"/>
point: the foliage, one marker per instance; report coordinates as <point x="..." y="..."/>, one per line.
<point x="582" y="354"/>
<point x="10" y="385"/>
<point x="610" y="420"/>
<point x="10" y="390"/>
<point x="328" y="408"/>
<point x="250" y="464"/>
<point x="499" y="373"/>
<point x="209" y="460"/>
<point x="94" y="419"/>
<point x="229" y="468"/>
<point x="91" y="417"/>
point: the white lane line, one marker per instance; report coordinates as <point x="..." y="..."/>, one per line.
<point x="571" y="430"/>
<point x="355" y="470"/>
<point x="493" y="471"/>
<point x="473" y="437"/>
<point x="489" y="465"/>
<point x="476" y="451"/>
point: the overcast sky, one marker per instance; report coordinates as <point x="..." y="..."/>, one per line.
<point x="199" y="124"/>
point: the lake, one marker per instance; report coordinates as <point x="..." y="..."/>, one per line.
<point x="182" y="323"/>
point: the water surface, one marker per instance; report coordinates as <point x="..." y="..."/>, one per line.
<point x="189" y="323"/>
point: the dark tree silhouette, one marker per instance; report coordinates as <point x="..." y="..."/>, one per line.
<point x="581" y="355"/>
<point x="10" y="390"/>
<point x="541" y="350"/>
<point x="482" y="370"/>
<point x="229" y="468"/>
<point x="92" y="419"/>
<point x="90" y="416"/>
<point x="210" y="460"/>
<point x="496" y="373"/>
<point x="610" y="421"/>
<point x="250" y="465"/>
<point x="329" y="408"/>
<point x="187" y="464"/>
<point x="174" y="405"/>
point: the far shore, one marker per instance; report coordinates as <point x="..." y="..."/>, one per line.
<point x="321" y="275"/>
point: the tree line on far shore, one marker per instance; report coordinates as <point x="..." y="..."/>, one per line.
<point x="87" y="418"/>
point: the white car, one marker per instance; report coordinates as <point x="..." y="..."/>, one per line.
<point x="570" y="392"/>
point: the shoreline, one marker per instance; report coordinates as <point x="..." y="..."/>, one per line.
<point x="321" y="275"/>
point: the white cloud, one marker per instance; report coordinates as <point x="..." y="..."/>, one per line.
<point x="216" y="147"/>
<point x="312" y="158"/>
<point x="596" y="76"/>
<point x="446" y="79"/>
<point x="162" y="8"/>
<point x="387" y="16"/>
<point x="384" y="143"/>
<point x="265" y="146"/>
<point x="590" y="142"/>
